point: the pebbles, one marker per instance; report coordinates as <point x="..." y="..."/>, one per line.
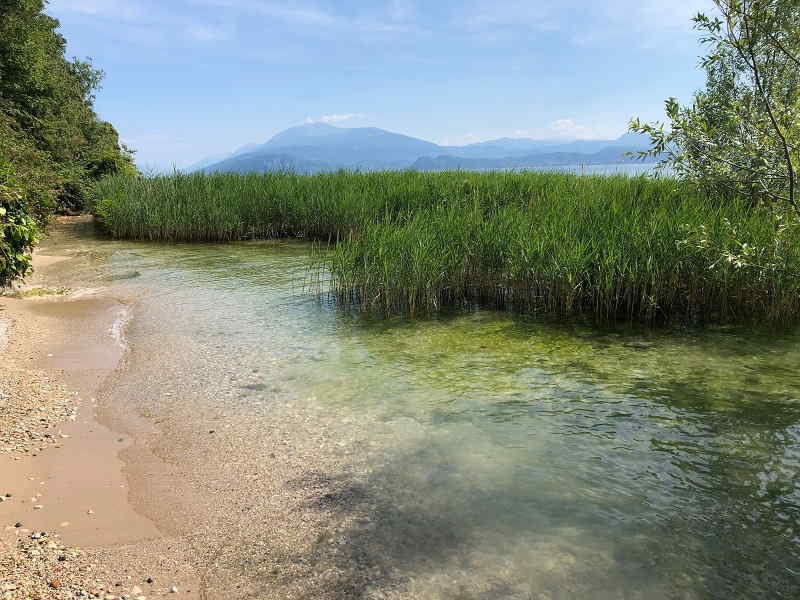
<point x="34" y="569"/>
<point x="33" y="407"/>
<point x="41" y="567"/>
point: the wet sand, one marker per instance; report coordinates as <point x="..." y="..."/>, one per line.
<point x="62" y="470"/>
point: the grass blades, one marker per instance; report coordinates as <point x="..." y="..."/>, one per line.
<point x="606" y="248"/>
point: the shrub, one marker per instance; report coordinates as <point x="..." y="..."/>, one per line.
<point x="18" y="231"/>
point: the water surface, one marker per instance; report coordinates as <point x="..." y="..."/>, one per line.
<point x="474" y="455"/>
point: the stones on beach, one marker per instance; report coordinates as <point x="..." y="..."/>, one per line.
<point x="33" y="406"/>
<point x="27" y="571"/>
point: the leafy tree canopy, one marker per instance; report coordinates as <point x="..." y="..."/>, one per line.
<point x="52" y="145"/>
<point x="741" y="134"/>
<point x="48" y="128"/>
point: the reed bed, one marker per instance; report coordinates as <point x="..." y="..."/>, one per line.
<point x="606" y="248"/>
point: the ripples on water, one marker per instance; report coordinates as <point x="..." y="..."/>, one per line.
<point x="557" y="460"/>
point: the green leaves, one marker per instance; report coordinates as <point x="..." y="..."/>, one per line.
<point x="48" y="127"/>
<point x="18" y="235"/>
<point x="741" y="135"/>
<point x="53" y="148"/>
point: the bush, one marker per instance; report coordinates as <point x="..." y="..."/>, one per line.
<point x="18" y="231"/>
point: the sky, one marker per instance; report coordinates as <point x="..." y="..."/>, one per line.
<point x="188" y="79"/>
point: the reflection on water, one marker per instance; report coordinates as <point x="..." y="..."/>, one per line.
<point x="496" y="457"/>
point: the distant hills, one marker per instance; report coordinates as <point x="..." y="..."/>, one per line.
<point x="318" y="147"/>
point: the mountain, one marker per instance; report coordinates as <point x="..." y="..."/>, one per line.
<point x="316" y="147"/>
<point x="206" y="162"/>
<point x="512" y="147"/>
<point x="257" y="162"/>
<point x="218" y="158"/>
<point x="356" y="148"/>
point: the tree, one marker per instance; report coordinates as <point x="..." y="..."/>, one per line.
<point x="48" y="100"/>
<point x="741" y="135"/>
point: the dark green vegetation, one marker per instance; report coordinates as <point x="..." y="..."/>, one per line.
<point x="601" y="247"/>
<point x="18" y="231"/>
<point x="52" y="145"/>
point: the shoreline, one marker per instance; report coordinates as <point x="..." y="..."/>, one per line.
<point x="67" y="527"/>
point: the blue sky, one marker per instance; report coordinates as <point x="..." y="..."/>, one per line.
<point x="186" y="79"/>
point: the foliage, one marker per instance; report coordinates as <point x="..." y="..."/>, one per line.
<point x="603" y="247"/>
<point x="46" y="111"/>
<point x="18" y="230"/>
<point x="740" y="138"/>
<point x="53" y="148"/>
<point x="32" y="169"/>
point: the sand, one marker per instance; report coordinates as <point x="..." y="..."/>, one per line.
<point x="65" y="493"/>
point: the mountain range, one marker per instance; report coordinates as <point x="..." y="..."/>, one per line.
<point x="319" y="147"/>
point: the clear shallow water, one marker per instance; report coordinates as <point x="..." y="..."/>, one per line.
<point x="475" y="455"/>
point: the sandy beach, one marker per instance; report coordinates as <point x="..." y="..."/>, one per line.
<point x="67" y="528"/>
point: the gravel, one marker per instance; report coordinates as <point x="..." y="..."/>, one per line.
<point x="41" y="567"/>
<point x="33" y="406"/>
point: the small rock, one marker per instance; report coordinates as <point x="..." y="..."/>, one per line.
<point x="173" y="589"/>
<point x="38" y="507"/>
<point x="149" y="580"/>
<point x="55" y="584"/>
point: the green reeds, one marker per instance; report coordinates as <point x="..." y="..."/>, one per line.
<point x="608" y="248"/>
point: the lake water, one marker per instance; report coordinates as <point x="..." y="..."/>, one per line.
<point x="472" y="456"/>
<point x="616" y="169"/>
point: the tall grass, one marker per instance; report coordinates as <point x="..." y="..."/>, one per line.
<point x="229" y="206"/>
<point x="607" y="248"/>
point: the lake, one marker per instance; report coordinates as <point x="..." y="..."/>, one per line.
<point x="313" y="452"/>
